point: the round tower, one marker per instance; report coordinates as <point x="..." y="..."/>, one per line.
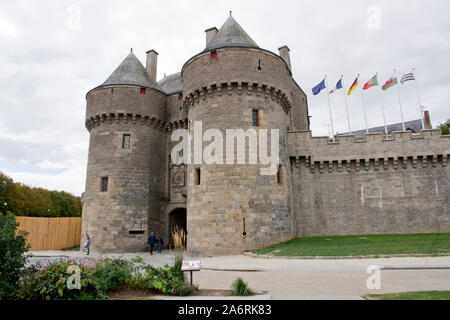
<point x="234" y="84"/>
<point x="126" y="163"/>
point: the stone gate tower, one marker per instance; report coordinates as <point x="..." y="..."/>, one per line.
<point x="234" y="84"/>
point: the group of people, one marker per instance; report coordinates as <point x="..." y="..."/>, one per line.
<point x="152" y="240"/>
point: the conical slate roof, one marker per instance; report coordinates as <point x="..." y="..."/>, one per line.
<point x="172" y="84"/>
<point x="131" y="72"/>
<point x="231" y="35"/>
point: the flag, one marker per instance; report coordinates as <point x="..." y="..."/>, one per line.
<point x="316" y="90"/>
<point x="390" y="83"/>
<point x="372" y="82"/>
<point x="353" y="87"/>
<point x="338" y="86"/>
<point x="408" y="77"/>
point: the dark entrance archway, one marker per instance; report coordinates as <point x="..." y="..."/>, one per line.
<point x="177" y="218"/>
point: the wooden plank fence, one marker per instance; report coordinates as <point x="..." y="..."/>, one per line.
<point x="51" y="233"/>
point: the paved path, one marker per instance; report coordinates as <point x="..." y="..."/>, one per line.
<point x="304" y="279"/>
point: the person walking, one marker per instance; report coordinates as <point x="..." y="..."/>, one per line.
<point x="151" y="242"/>
<point x="159" y="242"/>
<point x="87" y="244"/>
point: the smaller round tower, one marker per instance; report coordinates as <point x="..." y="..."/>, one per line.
<point x="125" y="119"/>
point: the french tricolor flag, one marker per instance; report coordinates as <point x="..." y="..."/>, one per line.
<point x="338" y="86"/>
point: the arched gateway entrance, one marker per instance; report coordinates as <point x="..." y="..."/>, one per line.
<point x="177" y="218"/>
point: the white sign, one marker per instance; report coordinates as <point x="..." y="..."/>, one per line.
<point x="190" y="265"/>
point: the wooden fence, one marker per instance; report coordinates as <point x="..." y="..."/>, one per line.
<point x="51" y="233"/>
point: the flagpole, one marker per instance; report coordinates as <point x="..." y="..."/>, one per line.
<point x="346" y="105"/>
<point x="364" y="109"/>
<point x="329" y="108"/>
<point x="418" y="97"/>
<point x="399" y="99"/>
<point x="382" y="107"/>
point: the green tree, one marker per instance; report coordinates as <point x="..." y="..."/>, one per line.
<point x="36" y="202"/>
<point x="445" y="127"/>
<point x="13" y="247"/>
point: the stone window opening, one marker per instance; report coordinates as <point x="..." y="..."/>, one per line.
<point x="197" y="176"/>
<point x="104" y="184"/>
<point x="213" y="55"/>
<point x="255" y="117"/>
<point x="126" y="141"/>
<point x="279" y="175"/>
<point x="143" y="91"/>
<point x="180" y="96"/>
<point x="259" y="65"/>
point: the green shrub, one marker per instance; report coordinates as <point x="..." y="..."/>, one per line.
<point x="13" y="247"/>
<point x="166" y="280"/>
<point x="240" y="288"/>
<point x="445" y="128"/>
<point x="50" y="283"/>
<point x="107" y="275"/>
<point x="112" y="274"/>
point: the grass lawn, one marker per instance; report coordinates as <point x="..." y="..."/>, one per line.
<point x="422" y="295"/>
<point x="432" y="244"/>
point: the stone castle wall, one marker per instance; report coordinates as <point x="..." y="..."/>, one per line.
<point x="371" y="185"/>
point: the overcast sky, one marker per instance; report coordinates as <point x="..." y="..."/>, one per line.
<point x="53" y="52"/>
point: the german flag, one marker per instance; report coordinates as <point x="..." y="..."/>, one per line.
<point x="354" y="86"/>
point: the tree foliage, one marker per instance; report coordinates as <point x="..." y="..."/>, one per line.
<point x="12" y="255"/>
<point x="36" y="202"/>
<point x="445" y="127"/>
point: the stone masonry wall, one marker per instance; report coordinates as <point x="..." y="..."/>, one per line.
<point x="371" y="185"/>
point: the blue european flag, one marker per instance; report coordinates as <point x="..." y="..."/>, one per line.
<point x="316" y="90"/>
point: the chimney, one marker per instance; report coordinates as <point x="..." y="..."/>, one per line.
<point x="152" y="64"/>
<point x="427" y="120"/>
<point x="210" y="34"/>
<point x="284" y="53"/>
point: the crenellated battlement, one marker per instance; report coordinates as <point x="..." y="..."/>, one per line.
<point x="135" y="119"/>
<point x="403" y="147"/>
<point x="238" y="87"/>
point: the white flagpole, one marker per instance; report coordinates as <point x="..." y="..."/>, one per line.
<point x="329" y="108"/>
<point x="364" y="109"/>
<point x="418" y="97"/>
<point x="346" y="104"/>
<point x="382" y="107"/>
<point x="399" y="99"/>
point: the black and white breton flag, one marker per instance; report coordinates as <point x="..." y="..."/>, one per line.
<point x="407" y="77"/>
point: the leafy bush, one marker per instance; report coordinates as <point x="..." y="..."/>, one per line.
<point x="166" y="280"/>
<point x="112" y="274"/>
<point x="445" y="127"/>
<point x="107" y="275"/>
<point x="12" y="255"/>
<point x="240" y="288"/>
<point x="50" y="283"/>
